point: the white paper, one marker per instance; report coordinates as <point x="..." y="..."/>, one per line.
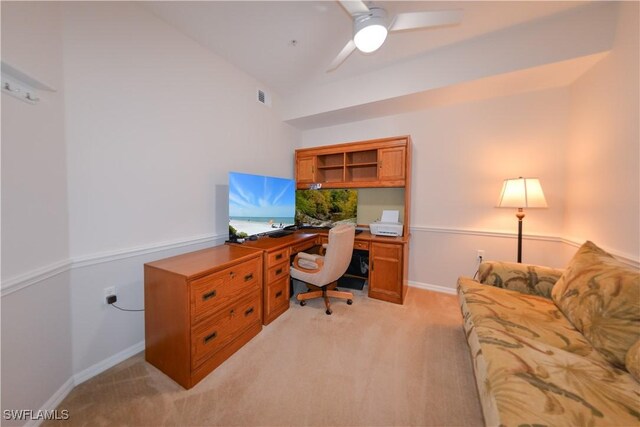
<point x="390" y="216"/>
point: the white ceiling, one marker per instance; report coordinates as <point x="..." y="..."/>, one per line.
<point x="256" y="36"/>
<point x="500" y="48"/>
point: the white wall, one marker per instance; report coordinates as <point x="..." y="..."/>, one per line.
<point x="140" y="137"/>
<point x="36" y="321"/>
<point x="154" y="123"/>
<point x="461" y="154"/>
<point x="34" y="189"/>
<point x="603" y="169"/>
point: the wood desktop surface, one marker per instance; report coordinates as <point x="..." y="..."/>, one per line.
<point x="266" y="243"/>
<point x="202" y="262"/>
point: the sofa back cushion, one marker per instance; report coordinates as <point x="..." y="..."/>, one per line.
<point x="601" y="297"/>
<point x="525" y="278"/>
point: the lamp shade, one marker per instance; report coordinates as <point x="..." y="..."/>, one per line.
<point x="370" y="30"/>
<point x="522" y="193"/>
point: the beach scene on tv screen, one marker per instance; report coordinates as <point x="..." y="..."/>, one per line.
<point x="259" y="204"/>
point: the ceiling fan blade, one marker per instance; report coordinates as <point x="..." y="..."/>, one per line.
<point x="411" y="20"/>
<point x="344" y="54"/>
<point x="354" y="7"/>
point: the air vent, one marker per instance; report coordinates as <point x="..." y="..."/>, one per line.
<point x="264" y="98"/>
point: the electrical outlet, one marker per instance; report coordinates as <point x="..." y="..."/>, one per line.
<point x="480" y="255"/>
<point x="111" y="290"/>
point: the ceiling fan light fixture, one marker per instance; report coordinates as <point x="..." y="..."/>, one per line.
<point x="370" y="30"/>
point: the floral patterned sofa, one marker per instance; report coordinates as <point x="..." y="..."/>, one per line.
<point x="556" y="347"/>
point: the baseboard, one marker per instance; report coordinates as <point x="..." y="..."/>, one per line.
<point x="107" y="363"/>
<point x="434" y="288"/>
<point x="53" y="401"/>
<point x="83" y="376"/>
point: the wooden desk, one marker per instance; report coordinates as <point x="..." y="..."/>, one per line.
<point x="388" y="266"/>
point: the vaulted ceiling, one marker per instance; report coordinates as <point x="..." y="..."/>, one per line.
<point x="499" y="48"/>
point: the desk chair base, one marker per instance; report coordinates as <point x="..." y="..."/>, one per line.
<point x="324" y="292"/>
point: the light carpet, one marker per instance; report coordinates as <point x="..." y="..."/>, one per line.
<point x="372" y="363"/>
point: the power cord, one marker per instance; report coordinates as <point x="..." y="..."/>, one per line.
<point x="111" y="300"/>
<point x="124" y="309"/>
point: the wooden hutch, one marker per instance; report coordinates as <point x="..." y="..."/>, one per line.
<point x="379" y="163"/>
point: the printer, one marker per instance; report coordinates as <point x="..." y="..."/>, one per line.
<point x="388" y="225"/>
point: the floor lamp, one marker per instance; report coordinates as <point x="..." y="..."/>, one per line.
<point x="521" y="193"/>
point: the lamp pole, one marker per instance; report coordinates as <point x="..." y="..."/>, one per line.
<point x="520" y="216"/>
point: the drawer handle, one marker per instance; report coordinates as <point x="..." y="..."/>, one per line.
<point x="248" y="312"/>
<point x="210" y="337"/>
<point x="279" y="256"/>
<point x="248" y="277"/>
<point x="278" y="294"/>
<point x="278" y="271"/>
<point x="208" y="295"/>
<point x="232" y="274"/>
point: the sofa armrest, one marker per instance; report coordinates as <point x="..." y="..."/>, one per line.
<point x="526" y="278"/>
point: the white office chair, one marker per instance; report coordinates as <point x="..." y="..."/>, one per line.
<point x="321" y="273"/>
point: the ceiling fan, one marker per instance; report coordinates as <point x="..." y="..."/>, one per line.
<point x="370" y="26"/>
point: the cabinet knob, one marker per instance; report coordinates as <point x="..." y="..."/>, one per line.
<point x="278" y="294"/>
<point x="278" y="271"/>
<point x="248" y="311"/>
<point x="248" y="277"/>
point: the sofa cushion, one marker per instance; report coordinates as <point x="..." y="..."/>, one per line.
<point x="632" y="360"/>
<point x="525" y="278"/>
<point x="524" y="315"/>
<point x="523" y="382"/>
<point x="601" y="297"/>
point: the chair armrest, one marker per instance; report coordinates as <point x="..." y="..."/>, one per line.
<point x="310" y="257"/>
<point x="323" y="249"/>
<point x="526" y="278"/>
<point x="309" y="263"/>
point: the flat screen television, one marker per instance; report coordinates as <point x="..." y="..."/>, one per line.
<point x="259" y="204"/>
<point x="326" y="208"/>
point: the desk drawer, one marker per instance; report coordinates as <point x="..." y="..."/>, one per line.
<point x="216" y="290"/>
<point x="361" y="245"/>
<point x="303" y="246"/>
<point x="223" y="328"/>
<point x="277" y="296"/>
<point x="277" y="257"/>
<point x="278" y="272"/>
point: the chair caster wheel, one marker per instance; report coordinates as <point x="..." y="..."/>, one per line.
<point x="349" y="301"/>
<point x="303" y="303"/>
<point x="328" y="312"/>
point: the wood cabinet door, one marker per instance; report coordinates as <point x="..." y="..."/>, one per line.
<point x="385" y="276"/>
<point x="306" y="169"/>
<point x="391" y="164"/>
